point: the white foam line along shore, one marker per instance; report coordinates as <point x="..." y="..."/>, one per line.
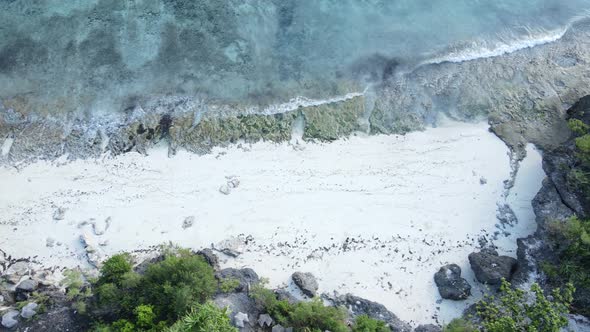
<point x="494" y="47"/>
<point x="375" y="216"/>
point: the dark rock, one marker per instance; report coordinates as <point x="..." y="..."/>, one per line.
<point x="306" y="282"/>
<point x="548" y="205"/>
<point x="61" y="318"/>
<point x="490" y="268"/>
<point x="239" y="302"/>
<point x="428" y="328"/>
<point x="582" y="301"/>
<point x="247" y="277"/>
<point x="358" y="306"/>
<point x="450" y="284"/>
<point x="210" y="257"/>
<point x="557" y="165"/>
<point x="284" y="295"/>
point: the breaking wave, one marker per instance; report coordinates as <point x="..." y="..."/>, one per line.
<point x="482" y="49"/>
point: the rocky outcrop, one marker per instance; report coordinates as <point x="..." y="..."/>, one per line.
<point x="306" y="282"/>
<point x="428" y="328"/>
<point x="358" y="306"/>
<point x="490" y="268"/>
<point x="242" y="307"/>
<point x="246" y="277"/>
<point x="557" y="201"/>
<point x="450" y="284"/>
<point x="210" y="258"/>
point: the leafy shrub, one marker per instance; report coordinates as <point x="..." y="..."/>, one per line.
<point x="173" y="285"/>
<point x="578" y="127"/>
<point x="459" y="325"/>
<point x="159" y="297"/>
<point x="145" y="316"/>
<point x="365" y="323"/>
<point x="572" y="242"/>
<point x="305" y="316"/>
<point x="513" y="311"/>
<point x="204" y="318"/>
<point x="123" y="325"/>
<point x="114" y="268"/>
<point x="314" y="315"/>
<point x="228" y="285"/>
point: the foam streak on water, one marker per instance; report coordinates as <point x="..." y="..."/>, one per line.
<point x="487" y="49"/>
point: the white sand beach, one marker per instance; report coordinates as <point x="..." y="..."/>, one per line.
<point x="375" y="216"/>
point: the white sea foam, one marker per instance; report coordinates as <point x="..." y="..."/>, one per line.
<point x="300" y="101"/>
<point x="503" y="45"/>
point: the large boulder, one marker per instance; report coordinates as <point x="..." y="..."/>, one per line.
<point x="210" y="257"/>
<point x="428" y="328"/>
<point x="306" y="282"/>
<point x="450" y="284"/>
<point x="29" y="310"/>
<point x="490" y="268"/>
<point x="246" y="277"/>
<point x="27" y="285"/>
<point x="239" y="303"/>
<point x="358" y="306"/>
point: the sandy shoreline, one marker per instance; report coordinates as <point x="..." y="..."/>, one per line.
<point x="375" y="216"/>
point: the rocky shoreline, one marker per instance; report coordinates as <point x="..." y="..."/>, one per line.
<point x="522" y="93"/>
<point x="554" y="202"/>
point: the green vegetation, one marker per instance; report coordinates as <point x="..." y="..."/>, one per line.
<point x="312" y="316"/>
<point x="578" y="127"/>
<point x="514" y="311"/>
<point x="173" y="295"/>
<point x="156" y="299"/>
<point x="365" y="323"/>
<point x="76" y="290"/>
<point x="572" y="242"/>
<point x="228" y="285"/>
<point x="203" y="318"/>
<point x="459" y="325"/>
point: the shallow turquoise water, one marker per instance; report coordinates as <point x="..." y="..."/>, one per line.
<point x="105" y="55"/>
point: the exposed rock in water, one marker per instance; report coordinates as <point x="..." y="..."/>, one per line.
<point x="490" y="268"/>
<point x="358" y="306"/>
<point x="450" y="284"/>
<point x="306" y="282"/>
